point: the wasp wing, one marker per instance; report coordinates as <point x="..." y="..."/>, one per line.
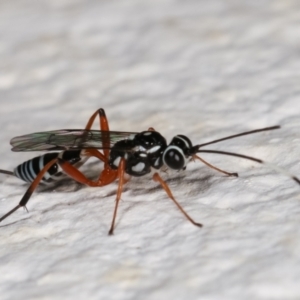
<point x="68" y="139"/>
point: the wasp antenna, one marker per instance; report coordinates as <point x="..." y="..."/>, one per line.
<point x="237" y="135"/>
<point x="271" y="166"/>
<point x="7" y="172"/>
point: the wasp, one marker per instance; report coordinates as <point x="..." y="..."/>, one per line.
<point x="132" y="153"/>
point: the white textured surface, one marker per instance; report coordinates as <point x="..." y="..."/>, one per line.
<point x="206" y="69"/>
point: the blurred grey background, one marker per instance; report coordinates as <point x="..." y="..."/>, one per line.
<point x="206" y="69"/>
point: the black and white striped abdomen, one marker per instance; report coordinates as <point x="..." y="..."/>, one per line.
<point x="29" y="169"/>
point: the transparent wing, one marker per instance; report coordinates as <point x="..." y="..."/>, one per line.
<point x="68" y="139"/>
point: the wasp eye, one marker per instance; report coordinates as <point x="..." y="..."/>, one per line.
<point x="174" y="158"/>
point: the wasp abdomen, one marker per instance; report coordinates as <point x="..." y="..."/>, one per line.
<point x="29" y="169"/>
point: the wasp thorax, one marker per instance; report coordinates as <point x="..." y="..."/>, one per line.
<point x="150" y="140"/>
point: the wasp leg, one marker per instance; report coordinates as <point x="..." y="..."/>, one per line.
<point x="103" y="126"/>
<point x="215" y="168"/>
<point x="121" y="172"/>
<point x="31" y="188"/>
<point x="103" y="120"/>
<point x="107" y="176"/>
<point x="164" y="185"/>
<point x="151" y="129"/>
<point x="7" y="172"/>
<point x="94" y="153"/>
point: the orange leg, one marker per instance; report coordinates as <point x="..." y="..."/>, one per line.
<point x="106" y="177"/>
<point x="103" y="126"/>
<point x="215" y="168"/>
<point x="103" y="120"/>
<point x="31" y="188"/>
<point x="94" y="153"/>
<point x="164" y="185"/>
<point x="121" y="171"/>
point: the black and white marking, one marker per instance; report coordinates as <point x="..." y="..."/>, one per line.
<point x="142" y="152"/>
<point x="29" y="169"/>
<point x="149" y="149"/>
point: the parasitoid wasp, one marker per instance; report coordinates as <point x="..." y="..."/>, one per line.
<point x="131" y="153"/>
